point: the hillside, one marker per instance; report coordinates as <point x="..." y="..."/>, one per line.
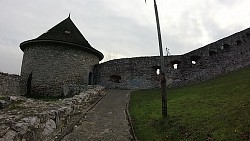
<point x="218" y="109"/>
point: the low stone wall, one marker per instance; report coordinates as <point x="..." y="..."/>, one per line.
<point x="9" y="84"/>
<point x="29" y="119"/>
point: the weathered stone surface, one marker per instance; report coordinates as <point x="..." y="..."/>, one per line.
<point x="13" y="98"/>
<point x="3" y="130"/>
<point x="49" y="127"/>
<point x="9" y="136"/>
<point x="3" y="104"/>
<point x="21" y="127"/>
<point x="73" y="89"/>
<point x="33" y="119"/>
<point x="9" y="84"/>
<point x="55" y="69"/>
<point x="220" y="57"/>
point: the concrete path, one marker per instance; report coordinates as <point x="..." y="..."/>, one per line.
<point x="107" y="121"/>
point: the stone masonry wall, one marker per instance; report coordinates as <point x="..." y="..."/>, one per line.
<point x="9" y="84"/>
<point x="52" y="67"/>
<point x="28" y="119"/>
<point x="220" y="57"/>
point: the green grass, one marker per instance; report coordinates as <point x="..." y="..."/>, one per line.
<point x="218" y="109"/>
<point x="16" y="106"/>
<point x="3" y="97"/>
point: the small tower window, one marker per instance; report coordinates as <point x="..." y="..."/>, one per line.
<point x="194" y="59"/>
<point x="193" y="62"/>
<point x="175" y="64"/>
<point x="67" y="32"/>
<point x="157" y="69"/>
<point x="238" y="42"/>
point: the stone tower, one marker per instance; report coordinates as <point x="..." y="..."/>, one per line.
<point x="57" y="59"/>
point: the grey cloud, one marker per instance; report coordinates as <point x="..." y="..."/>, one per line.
<point x="229" y="2"/>
<point x="118" y="28"/>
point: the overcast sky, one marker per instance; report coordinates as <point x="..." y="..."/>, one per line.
<point x="121" y="28"/>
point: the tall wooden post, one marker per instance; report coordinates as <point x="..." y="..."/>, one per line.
<point x="162" y="70"/>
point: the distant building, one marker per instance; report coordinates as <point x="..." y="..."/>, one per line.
<point x="56" y="60"/>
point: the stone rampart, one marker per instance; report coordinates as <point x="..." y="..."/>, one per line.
<point x="9" y="84"/>
<point x="220" y="57"/>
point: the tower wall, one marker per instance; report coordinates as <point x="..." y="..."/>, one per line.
<point x="48" y="68"/>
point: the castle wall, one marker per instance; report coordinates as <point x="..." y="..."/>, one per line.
<point x="50" y="68"/>
<point x="9" y="84"/>
<point x="130" y="73"/>
<point x="222" y="56"/>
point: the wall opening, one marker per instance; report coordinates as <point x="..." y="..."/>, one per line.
<point x="193" y="62"/>
<point x="175" y="64"/>
<point x="226" y="46"/>
<point x="67" y="32"/>
<point x="212" y="53"/>
<point x="115" y="78"/>
<point x="248" y="35"/>
<point x="157" y="69"/>
<point x="194" y="59"/>
<point x="90" y="78"/>
<point x="29" y="84"/>
<point x="238" y="42"/>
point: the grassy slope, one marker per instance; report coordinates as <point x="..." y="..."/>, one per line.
<point x="218" y="109"/>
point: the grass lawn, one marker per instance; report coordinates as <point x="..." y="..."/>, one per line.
<point x="218" y="109"/>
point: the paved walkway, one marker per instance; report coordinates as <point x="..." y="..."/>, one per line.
<point x="107" y="121"/>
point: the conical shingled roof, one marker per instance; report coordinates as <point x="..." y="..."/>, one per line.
<point x="65" y="32"/>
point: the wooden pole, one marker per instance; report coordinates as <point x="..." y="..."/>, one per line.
<point x="162" y="70"/>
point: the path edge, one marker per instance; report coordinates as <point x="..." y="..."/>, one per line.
<point x="70" y="127"/>
<point x="132" y="131"/>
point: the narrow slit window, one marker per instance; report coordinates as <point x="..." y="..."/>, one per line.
<point x="67" y="32"/>
<point x="158" y="71"/>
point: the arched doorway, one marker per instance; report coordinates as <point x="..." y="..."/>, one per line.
<point x="90" y="78"/>
<point x="29" y="84"/>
